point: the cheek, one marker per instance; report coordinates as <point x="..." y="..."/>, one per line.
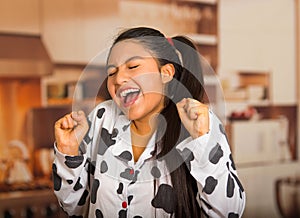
<point x="111" y="88"/>
<point x="151" y="83"/>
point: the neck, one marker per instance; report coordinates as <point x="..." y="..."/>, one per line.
<point x="141" y="132"/>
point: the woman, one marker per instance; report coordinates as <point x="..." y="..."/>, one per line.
<point x="154" y="150"/>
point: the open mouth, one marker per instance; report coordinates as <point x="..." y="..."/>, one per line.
<point x="129" y="96"/>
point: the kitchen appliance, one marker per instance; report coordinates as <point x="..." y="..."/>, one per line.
<point x="288" y="196"/>
<point x="261" y="141"/>
<point x="37" y="203"/>
<point x="41" y="121"/>
<point x="23" y="56"/>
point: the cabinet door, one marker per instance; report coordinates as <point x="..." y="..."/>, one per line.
<point x="101" y="22"/>
<point x="18" y="16"/>
<point x="264" y="42"/>
<point x="61" y="29"/>
<point x="76" y="30"/>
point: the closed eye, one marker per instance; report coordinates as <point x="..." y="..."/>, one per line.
<point x="111" y="70"/>
<point x="133" y="67"/>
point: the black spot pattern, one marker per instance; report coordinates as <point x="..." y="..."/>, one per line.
<point x="106" y="141"/>
<point x="98" y="214"/>
<point x="210" y="185"/>
<point x="69" y="181"/>
<point x="230" y="187"/>
<point x="153" y="152"/>
<point x="56" y="178"/>
<point x="82" y="148"/>
<point x="83" y="198"/>
<point x="206" y="204"/>
<point x="130" y="174"/>
<point x="215" y="154"/>
<point x="165" y="198"/>
<point x="155" y="172"/>
<point x="137" y="217"/>
<point x="232" y="162"/>
<point x="221" y="127"/>
<point x="122" y="213"/>
<point x="241" y="189"/>
<point x="100" y="113"/>
<point x="125" y="156"/>
<point x="92" y="167"/>
<point x="103" y="167"/>
<point x="114" y="133"/>
<point x="120" y="188"/>
<point x="124" y="128"/>
<point x="74" y="216"/>
<point x="87" y="138"/>
<point x="95" y="187"/>
<point x="77" y="186"/>
<point x="73" y="162"/>
<point x="233" y="215"/>
<point x="130" y="197"/>
<point x="238" y="182"/>
<point x="187" y="156"/>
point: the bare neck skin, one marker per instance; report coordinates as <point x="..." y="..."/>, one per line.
<point x="141" y="132"/>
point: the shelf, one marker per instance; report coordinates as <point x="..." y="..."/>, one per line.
<point x="203" y="39"/>
<point x="59" y="101"/>
<point x="210" y="2"/>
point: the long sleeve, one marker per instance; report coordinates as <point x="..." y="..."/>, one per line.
<point x="72" y="175"/>
<point x="209" y="159"/>
<point x="70" y="182"/>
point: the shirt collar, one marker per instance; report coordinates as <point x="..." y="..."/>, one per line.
<point x="123" y="141"/>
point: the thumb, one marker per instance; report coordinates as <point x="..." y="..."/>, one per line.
<point x="181" y="104"/>
<point x="78" y="116"/>
<point x="181" y="109"/>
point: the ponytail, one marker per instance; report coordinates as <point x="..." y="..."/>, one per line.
<point x="190" y="78"/>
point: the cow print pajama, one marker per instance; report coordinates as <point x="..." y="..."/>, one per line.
<point x="104" y="181"/>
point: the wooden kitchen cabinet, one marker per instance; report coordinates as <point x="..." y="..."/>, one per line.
<point x="18" y="16"/>
<point x="61" y="29"/>
<point x="76" y="30"/>
<point x="206" y="32"/>
<point x="17" y="96"/>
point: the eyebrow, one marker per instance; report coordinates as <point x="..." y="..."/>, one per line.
<point x="128" y="60"/>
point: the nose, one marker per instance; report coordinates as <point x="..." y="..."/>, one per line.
<point x="122" y="76"/>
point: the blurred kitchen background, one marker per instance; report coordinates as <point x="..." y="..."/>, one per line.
<point x="252" y="47"/>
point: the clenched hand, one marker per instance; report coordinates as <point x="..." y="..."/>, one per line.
<point x="194" y="116"/>
<point x="69" y="132"/>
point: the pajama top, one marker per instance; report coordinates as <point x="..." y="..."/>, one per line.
<point x="104" y="181"/>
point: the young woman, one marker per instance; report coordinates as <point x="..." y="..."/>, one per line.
<point x="154" y="150"/>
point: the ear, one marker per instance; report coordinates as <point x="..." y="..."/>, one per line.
<point x="167" y="72"/>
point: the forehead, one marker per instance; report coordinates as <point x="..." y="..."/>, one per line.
<point x="126" y="49"/>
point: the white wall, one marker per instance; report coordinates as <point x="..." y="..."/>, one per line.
<point x="259" y="184"/>
<point x="260" y="35"/>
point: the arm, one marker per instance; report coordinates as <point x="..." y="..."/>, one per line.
<point x="220" y="193"/>
<point x="71" y="167"/>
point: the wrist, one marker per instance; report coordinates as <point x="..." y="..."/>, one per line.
<point x="71" y="150"/>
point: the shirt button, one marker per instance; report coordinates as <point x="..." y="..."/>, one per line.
<point x="124" y="204"/>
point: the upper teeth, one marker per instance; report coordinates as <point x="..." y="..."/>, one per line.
<point x="127" y="91"/>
